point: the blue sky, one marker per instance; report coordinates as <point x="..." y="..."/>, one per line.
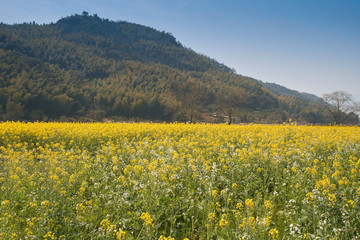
<point x="306" y="45"/>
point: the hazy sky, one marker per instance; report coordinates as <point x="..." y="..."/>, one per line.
<point x="306" y="45"/>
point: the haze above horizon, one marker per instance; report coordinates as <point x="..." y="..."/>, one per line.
<point x="308" y="46"/>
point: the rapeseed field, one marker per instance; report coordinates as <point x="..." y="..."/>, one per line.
<point x="178" y="181"/>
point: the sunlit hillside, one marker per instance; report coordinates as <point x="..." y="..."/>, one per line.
<point x="87" y="68"/>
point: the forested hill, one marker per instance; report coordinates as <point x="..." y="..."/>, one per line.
<point x="87" y="68"/>
<point x="127" y="41"/>
<point x="283" y="91"/>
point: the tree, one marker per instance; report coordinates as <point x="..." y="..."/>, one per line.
<point x="14" y="111"/>
<point x="230" y="101"/>
<point x="187" y="99"/>
<point x="341" y="106"/>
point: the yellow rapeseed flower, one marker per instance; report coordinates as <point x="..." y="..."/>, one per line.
<point x="148" y="221"/>
<point x="212" y="217"/>
<point x="249" y="203"/>
<point x="274" y="233"/>
<point x="120" y="234"/>
<point x="268" y="205"/>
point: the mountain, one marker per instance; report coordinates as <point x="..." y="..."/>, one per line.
<point x="87" y="68"/>
<point x="283" y="91"/>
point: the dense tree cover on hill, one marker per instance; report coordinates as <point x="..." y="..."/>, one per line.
<point x="87" y="68"/>
<point x="283" y="91"/>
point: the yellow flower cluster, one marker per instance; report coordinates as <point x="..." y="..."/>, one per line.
<point x="166" y="238"/>
<point x="274" y="233"/>
<point x="212" y="217"/>
<point x="206" y="181"/>
<point x="148" y="221"/>
<point x="120" y="235"/>
<point x="249" y="203"/>
<point x="105" y="225"/>
<point x="248" y="222"/>
<point x="223" y="221"/>
<point x="268" y="205"/>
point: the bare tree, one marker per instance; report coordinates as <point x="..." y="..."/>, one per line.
<point x="230" y="101"/>
<point x="187" y="99"/>
<point x="341" y="106"/>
